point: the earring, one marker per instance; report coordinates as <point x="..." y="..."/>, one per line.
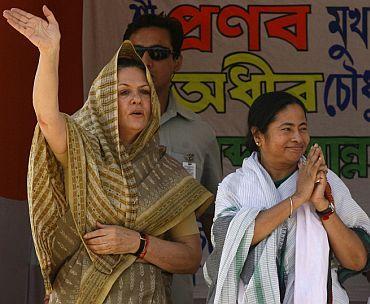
<point x="257" y="143"/>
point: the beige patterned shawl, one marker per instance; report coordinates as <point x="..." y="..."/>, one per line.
<point x="105" y="187"/>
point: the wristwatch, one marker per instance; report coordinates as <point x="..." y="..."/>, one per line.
<point x="325" y="214"/>
<point x="142" y="245"/>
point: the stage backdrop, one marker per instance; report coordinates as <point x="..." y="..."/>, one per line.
<point x="236" y="50"/>
<point x="233" y="51"/>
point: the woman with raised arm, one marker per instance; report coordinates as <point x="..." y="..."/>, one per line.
<point x="280" y="234"/>
<point x="111" y="214"/>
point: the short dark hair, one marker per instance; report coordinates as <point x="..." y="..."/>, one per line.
<point x="163" y="21"/>
<point x="124" y="62"/>
<point x="264" y="110"/>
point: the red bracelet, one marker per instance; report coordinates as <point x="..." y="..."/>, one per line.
<point x="145" y="249"/>
<point x="326" y="217"/>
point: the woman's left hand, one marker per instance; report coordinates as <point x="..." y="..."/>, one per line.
<point x="112" y="239"/>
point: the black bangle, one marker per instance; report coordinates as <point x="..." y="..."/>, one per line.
<point x="142" y="245"/>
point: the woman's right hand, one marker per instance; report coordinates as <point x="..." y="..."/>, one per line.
<point x="45" y="35"/>
<point x="307" y="174"/>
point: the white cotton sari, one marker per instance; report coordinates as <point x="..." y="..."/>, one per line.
<point x="295" y="255"/>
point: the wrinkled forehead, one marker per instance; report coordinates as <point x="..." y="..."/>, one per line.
<point x="132" y="76"/>
<point x="292" y="114"/>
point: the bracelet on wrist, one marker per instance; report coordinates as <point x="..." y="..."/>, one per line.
<point x="291" y="206"/>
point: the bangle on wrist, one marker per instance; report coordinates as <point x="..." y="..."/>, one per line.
<point x="291" y="205"/>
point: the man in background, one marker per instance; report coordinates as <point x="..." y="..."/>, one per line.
<point x="158" y="40"/>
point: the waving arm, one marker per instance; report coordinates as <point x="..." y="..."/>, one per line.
<point x="45" y="35"/>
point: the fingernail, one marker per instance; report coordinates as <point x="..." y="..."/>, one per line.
<point x="316" y="145"/>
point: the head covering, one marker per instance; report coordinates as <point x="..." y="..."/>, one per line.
<point x="101" y="107"/>
<point x="138" y="187"/>
<point x="99" y="116"/>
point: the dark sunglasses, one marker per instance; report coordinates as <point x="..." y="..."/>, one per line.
<point x="155" y="52"/>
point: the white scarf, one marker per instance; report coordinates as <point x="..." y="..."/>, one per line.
<point x="252" y="187"/>
<point x="311" y="258"/>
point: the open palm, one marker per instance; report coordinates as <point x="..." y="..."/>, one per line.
<point x="43" y="34"/>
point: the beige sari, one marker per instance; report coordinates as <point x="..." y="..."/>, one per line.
<point x="139" y="187"/>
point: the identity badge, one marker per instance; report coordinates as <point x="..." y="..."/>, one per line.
<point x="189" y="164"/>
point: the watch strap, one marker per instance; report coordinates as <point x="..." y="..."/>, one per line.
<point x="324" y="214"/>
<point x="142" y="245"/>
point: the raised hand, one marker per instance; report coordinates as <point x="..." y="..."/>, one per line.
<point x="46" y="299"/>
<point x="309" y="173"/>
<point x="318" y="198"/>
<point x="45" y="35"/>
